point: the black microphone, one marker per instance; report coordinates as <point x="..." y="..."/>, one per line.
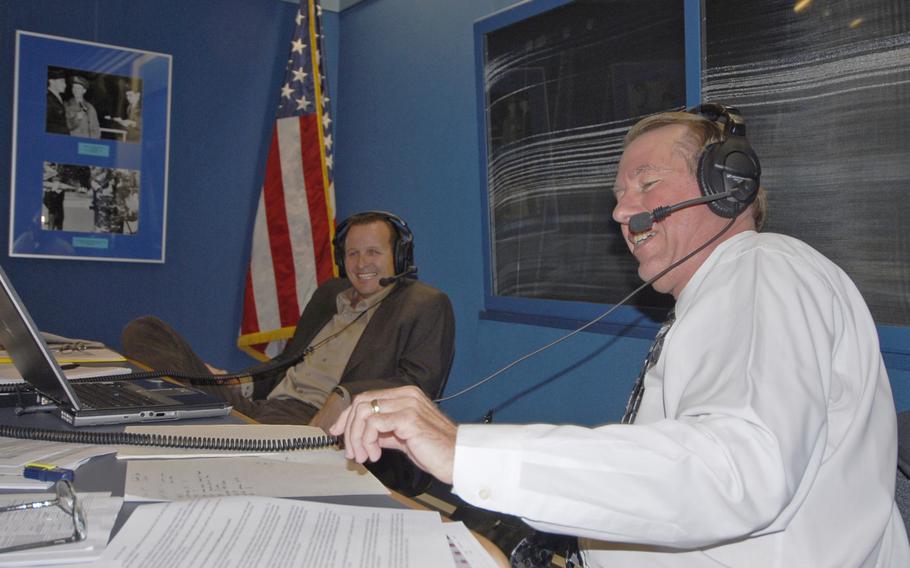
<point x="644" y="221"/>
<point x="388" y="281"/>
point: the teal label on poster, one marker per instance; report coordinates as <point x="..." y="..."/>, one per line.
<point x="90" y="242"/>
<point x="87" y="149"/>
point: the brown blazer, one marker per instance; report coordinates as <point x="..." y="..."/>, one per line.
<point x="410" y="340"/>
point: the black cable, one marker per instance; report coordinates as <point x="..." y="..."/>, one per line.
<point x="168" y="440"/>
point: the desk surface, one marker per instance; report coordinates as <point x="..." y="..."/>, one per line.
<point x="107" y="473"/>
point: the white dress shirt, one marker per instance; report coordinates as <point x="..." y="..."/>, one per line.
<point x="766" y="436"/>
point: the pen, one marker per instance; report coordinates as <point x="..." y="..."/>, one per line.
<point x="47" y="472"/>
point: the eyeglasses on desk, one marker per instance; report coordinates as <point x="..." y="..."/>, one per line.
<point x="68" y="502"/>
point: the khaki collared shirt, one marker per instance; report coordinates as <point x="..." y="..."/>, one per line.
<point x="313" y="379"/>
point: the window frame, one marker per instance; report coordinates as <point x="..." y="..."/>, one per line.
<point x="628" y="321"/>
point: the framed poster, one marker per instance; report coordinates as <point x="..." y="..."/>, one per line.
<point x="90" y="151"/>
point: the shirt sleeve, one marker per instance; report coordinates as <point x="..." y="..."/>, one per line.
<point x="735" y="424"/>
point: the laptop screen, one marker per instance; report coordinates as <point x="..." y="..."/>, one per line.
<point x="30" y="354"/>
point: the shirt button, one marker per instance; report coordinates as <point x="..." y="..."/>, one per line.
<point x="484" y="494"/>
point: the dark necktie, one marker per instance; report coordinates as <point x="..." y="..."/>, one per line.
<point x="638" y="390"/>
<point x="537" y="549"/>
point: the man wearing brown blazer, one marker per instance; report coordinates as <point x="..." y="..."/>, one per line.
<point x="355" y="334"/>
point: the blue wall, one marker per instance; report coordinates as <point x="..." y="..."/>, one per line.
<point x="408" y="141"/>
<point x="228" y="62"/>
<point x="403" y="84"/>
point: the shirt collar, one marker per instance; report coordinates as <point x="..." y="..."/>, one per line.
<point x="343" y="300"/>
<point x="705" y="267"/>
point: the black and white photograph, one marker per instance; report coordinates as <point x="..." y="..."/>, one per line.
<point x="90" y="121"/>
<point x="90" y="199"/>
<point x="93" y="105"/>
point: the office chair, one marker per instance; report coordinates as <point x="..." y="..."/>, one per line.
<point x="902" y="485"/>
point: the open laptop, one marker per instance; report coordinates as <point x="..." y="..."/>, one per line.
<point x="90" y="404"/>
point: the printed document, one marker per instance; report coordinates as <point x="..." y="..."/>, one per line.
<point x="234" y="532"/>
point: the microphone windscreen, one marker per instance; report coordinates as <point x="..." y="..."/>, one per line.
<point x="641" y="222"/>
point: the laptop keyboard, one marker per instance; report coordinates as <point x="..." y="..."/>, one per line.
<point x="112" y="395"/>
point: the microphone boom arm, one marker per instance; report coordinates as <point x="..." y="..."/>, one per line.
<point x="644" y="221"/>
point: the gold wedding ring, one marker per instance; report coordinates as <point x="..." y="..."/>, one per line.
<point x="374" y="404"/>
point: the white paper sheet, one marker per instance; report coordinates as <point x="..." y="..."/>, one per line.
<point x="264" y="532"/>
<point x="467" y="552"/>
<point x="31" y="525"/>
<point x="297" y="474"/>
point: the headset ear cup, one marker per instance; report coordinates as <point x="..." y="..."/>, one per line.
<point x="712" y="184"/>
<point x="404" y="252"/>
<point x="730" y="165"/>
<point x="338" y="248"/>
<point x="705" y="163"/>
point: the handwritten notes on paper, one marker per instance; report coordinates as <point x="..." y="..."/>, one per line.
<point x="296" y="474"/>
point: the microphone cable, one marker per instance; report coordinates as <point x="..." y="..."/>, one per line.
<point x="559" y="340"/>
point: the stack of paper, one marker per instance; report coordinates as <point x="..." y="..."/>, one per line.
<point x="167" y="474"/>
<point x="9" y="375"/>
<point x="69" y="352"/>
<point x="16" y="453"/>
<point x="252" y="532"/>
<point x="86" y="355"/>
<point x="223" y="511"/>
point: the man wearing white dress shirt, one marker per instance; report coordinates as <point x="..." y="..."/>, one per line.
<point x="764" y="433"/>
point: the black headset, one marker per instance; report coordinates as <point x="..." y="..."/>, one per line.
<point x="728" y="165"/>
<point x="403" y="249"/>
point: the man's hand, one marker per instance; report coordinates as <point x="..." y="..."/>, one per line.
<point x="402" y="419"/>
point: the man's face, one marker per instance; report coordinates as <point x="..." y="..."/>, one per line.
<point x="132" y="97"/>
<point x="653" y="171"/>
<point x="78" y="90"/>
<point x="57" y="85"/>
<point x="368" y="256"/>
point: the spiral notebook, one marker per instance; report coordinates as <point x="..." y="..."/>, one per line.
<point x="106" y="401"/>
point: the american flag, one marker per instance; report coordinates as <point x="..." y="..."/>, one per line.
<point x="295" y="219"/>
